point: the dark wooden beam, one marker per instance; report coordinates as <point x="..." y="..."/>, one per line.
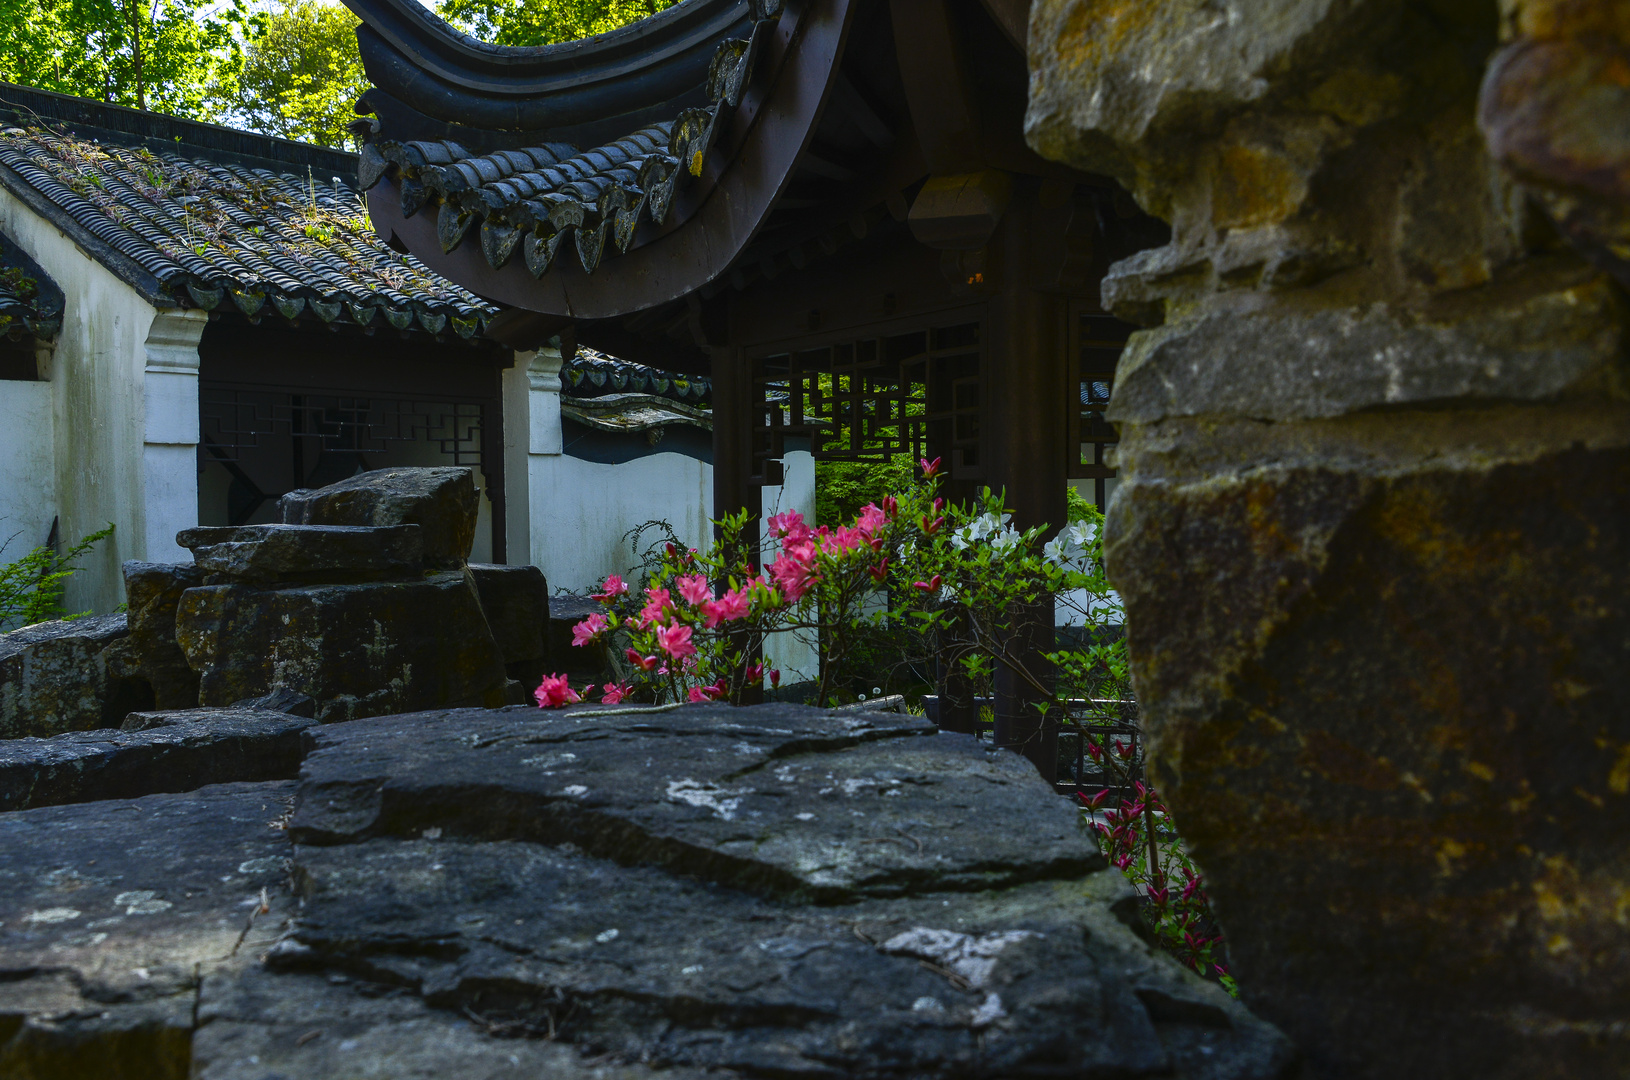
<point x="944" y="109"/>
<point x="848" y="99"/>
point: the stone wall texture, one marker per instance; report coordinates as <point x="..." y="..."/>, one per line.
<point x="1373" y="523"/>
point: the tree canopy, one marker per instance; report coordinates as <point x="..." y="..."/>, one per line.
<point x="543" y="22"/>
<point x="289" y="69"/>
<point x="301" y="73"/>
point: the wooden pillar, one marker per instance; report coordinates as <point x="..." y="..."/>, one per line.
<point x="1026" y="440"/>
<point x="732" y="433"/>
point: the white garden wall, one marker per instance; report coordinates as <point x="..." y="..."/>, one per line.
<point x="124" y="412"/>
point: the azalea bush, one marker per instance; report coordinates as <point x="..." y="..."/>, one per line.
<point x="698" y="628"/>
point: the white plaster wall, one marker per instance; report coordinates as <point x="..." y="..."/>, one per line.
<point x="115" y="459"/>
<point x="568" y="516"/>
<point x="28" y="482"/>
<point x="581" y="509"/>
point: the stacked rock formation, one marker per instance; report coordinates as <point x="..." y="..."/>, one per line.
<point x="1373" y="523"/>
<point x="616" y="894"/>
<point x="362" y="601"/>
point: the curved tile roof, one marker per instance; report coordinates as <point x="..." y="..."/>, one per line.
<point x="531" y="201"/>
<point x="220" y="235"/>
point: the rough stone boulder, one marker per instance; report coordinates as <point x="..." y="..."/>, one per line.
<point x="150" y="753"/>
<point x="357" y="650"/>
<point x="150" y="652"/>
<point x="54" y="677"/>
<point x="1372" y="526"/>
<point x="305" y="554"/>
<point x="612" y="894"/>
<point x="516" y="602"/>
<point x="443" y="502"/>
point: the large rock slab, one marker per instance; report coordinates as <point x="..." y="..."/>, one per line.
<point x="516" y="602"/>
<point x="109" y="913"/>
<point x="150" y="653"/>
<point x="776" y="891"/>
<point x="159" y="937"/>
<point x="153" y="752"/>
<point x="443" y="502"/>
<point x="308" y="554"/>
<point x="357" y="650"/>
<point x="54" y="678"/>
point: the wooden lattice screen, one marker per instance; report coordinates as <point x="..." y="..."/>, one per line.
<point x="917" y="393"/>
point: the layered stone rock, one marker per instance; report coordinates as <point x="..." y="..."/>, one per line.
<point x="55" y="677"/>
<point x="1372" y="523"/>
<point x="149" y="653"/>
<point x="356" y="650"/>
<point x="443" y="502"/>
<point x="151" y="753"/>
<point x="307" y="554"/>
<point x="774" y="892"/>
<point x="617" y="894"/>
<point x="516" y="602"/>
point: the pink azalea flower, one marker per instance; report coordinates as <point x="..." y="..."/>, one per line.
<point x="613" y="588"/>
<point x="675" y="641"/>
<point x="775" y="677"/>
<point x="555" y="692"/>
<point x="656" y="600"/>
<point x="931" y="585"/>
<point x="787" y="524"/>
<point x="871" y="519"/>
<point x="708" y="693"/>
<point x="930" y="468"/>
<point x="589" y="629"/>
<point x="615" y="692"/>
<point x="754" y="672"/>
<point x="644" y="663"/>
<point x="728" y="608"/>
<point x="891" y="505"/>
<point x="792" y="576"/>
<point x="695" y="589"/>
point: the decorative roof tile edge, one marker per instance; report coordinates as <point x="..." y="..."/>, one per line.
<point x="594" y="373"/>
<point x="531" y="200"/>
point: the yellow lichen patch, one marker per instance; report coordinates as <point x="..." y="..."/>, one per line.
<point x="1358" y="96"/>
<point x="1450" y="854"/>
<point x="1097" y="29"/>
<point x="1479" y="770"/>
<point x="1255" y="186"/>
<point x="1618" y="778"/>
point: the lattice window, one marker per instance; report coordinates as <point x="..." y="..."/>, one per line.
<point x="919" y="393"/>
<point x="236" y="420"/>
<point x="1095" y="348"/>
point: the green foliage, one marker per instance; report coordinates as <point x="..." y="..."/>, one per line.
<point x="31" y="588"/>
<point x="843" y="487"/>
<point x="171" y="56"/>
<point x="543" y="22"/>
<point x="301" y="73"/>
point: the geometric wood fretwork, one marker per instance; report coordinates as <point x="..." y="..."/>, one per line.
<point x="918" y="393"/>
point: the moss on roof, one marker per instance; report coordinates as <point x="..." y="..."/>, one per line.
<point x="212" y="235"/>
